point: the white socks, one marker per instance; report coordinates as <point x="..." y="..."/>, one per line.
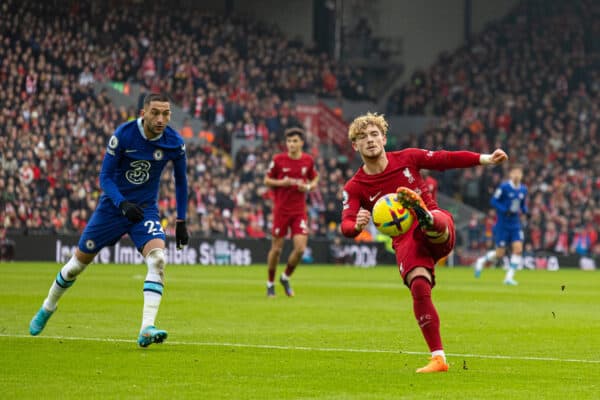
<point x="490" y="256"/>
<point x="153" y="286"/>
<point x="439" y="353"/>
<point x="64" y="280"/>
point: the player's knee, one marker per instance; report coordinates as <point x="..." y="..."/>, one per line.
<point x="276" y="251"/>
<point x="420" y="288"/>
<point x="73" y="268"/>
<point x="300" y="249"/>
<point x="156" y="261"/>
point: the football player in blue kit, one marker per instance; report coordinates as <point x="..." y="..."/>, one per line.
<point x="135" y="158"/>
<point x="510" y="201"/>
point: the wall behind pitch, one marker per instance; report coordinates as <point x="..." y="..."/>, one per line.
<point x="429" y="27"/>
<point x="294" y="17"/>
<point x="486" y="11"/>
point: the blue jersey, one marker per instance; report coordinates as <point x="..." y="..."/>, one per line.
<point x="510" y="201"/>
<point x="131" y="171"/>
<point x="133" y="166"/>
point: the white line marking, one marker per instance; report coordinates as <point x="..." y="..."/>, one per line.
<point x="305" y="348"/>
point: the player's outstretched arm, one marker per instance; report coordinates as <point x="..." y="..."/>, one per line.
<point x="497" y="157"/>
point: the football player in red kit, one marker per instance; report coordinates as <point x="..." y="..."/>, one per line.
<point x="428" y="240"/>
<point x="291" y="175"/>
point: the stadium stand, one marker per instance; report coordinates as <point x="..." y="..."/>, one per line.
<point x="528" y="83"/>
<point x="53" y="127"/>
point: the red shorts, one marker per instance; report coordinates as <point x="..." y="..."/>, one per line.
<point x="296" y="223"/>
<point x="414" y="250"/>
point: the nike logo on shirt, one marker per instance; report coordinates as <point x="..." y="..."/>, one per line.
<point x="371" y="198"/>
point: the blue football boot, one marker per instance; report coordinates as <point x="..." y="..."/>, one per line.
<point x="39" y="320"/>
<point x="150" y="335"/>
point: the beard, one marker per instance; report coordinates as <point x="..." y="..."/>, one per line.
<point x="153" y="129"/>
<point x="372" y="155"/>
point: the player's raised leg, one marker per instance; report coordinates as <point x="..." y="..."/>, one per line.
<point x="153" y="291"/>
<point x="64" y="280"/>
<point x="434" y="224"/>
<point x="427" y="318"/>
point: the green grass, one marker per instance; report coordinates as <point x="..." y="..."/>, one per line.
<point x="348" y="334"/>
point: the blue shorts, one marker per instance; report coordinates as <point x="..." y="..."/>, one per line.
<point x="504" y="235"/>
<point x="107" y="225"/>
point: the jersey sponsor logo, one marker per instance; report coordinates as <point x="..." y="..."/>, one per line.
<point x="158" y="154"/>
<point x="140" y="172"/>
<point x="372" y="198"/>
<point x="286" y="169"/>
<point x="408" y="175"/>
<point x="429" y="153"/>
<point x="130" y="150"/>
<point x="113" y="142"/>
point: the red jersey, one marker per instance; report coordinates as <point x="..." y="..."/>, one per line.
<point x="363" y="190"/>
<point x="290" y="200"/>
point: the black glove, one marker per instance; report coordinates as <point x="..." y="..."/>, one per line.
<point x="181" y="234"/>
<point x="132" y="211"/>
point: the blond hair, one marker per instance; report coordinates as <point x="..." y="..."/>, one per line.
<point x="361" y="122"/>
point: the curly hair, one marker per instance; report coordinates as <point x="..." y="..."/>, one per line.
<point x="361" y="122"/>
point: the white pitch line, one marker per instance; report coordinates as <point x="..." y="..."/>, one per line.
<point x="305" y="348"/>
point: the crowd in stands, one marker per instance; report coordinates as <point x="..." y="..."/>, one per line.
<point x="528" y="84"/>
<point x="531" y="85"/>
<point x="54" y="127"/>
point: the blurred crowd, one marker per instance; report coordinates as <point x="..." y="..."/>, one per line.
<point x="531" y="85"/>
<point x="54" y="127"/>
<point x="528" y="84"/>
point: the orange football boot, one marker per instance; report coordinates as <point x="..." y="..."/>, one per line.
<point x="412" y="200"/>
<point x="436" y="364"/>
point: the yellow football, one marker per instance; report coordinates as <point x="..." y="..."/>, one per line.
<point x="390" y="217"/>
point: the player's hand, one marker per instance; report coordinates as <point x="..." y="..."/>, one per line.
<point x="497" y="157"/>
<point x="304" y="187"/>
<point x="132" y="211"/>
<point x="285" y="182"/>
<point x="181" y="234"/>
<point x="362" y="219"/>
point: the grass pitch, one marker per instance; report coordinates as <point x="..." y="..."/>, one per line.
<point x="348" y="334"/>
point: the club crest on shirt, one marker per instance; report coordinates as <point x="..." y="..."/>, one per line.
<point x="408" y="175"/>
<point x="158" y="154"/>
<point x="303" y="171"/>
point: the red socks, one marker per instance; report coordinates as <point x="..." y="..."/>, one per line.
<point x="425" y="312"/>
<point x="289" y="270"/>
